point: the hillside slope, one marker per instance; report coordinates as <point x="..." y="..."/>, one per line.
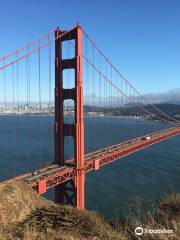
<point x="26" y="216"/>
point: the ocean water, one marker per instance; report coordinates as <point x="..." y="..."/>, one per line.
<point x="28" y="143"/>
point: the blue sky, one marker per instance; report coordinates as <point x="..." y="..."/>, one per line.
<point x="141" y="37"/>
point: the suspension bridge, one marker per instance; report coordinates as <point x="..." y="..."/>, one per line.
<point x="65" y="78"/>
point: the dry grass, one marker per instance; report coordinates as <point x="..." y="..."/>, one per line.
<point x="17" y="200"/>
<point x="25" y="215"/>
<point x="34" y="218"/>
<point x="165" y="215"/>
<point x="61" y="222"/>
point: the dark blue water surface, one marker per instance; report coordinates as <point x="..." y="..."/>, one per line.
<point x="28" y="143"/>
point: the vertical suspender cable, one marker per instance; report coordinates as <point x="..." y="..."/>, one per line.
<point x="14" y="125"/>
<point x="29" y="105"/>
<point x="4" y="86"/>
<point x="87" y="95"/>
<point x="26" y="109"/>
<point x="40" y="123"/>
<point x="4" y="115"/>
<point x="17" y="119"/>
<point x="50" y="99"/>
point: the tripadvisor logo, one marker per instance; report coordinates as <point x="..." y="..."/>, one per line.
<point x="139" y="231"/>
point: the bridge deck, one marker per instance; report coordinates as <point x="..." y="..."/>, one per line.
<point x="54" y="174"/>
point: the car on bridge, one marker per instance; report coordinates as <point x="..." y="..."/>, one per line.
<point x="146" y="138"/>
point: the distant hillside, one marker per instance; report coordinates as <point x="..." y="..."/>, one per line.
<point x="176" y="102"/>
<point x="168" y="108"/>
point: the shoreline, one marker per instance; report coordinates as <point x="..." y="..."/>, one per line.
<point x="85" y="116"/>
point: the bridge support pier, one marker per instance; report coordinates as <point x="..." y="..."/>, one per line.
<point x="71" y="192"/>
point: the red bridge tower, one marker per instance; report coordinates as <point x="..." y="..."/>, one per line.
<point x="71" y="192"/>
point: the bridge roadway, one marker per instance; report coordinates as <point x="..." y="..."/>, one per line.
<point x="53" y="175"/>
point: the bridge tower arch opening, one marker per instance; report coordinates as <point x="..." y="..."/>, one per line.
<point x="71" y="192"/>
